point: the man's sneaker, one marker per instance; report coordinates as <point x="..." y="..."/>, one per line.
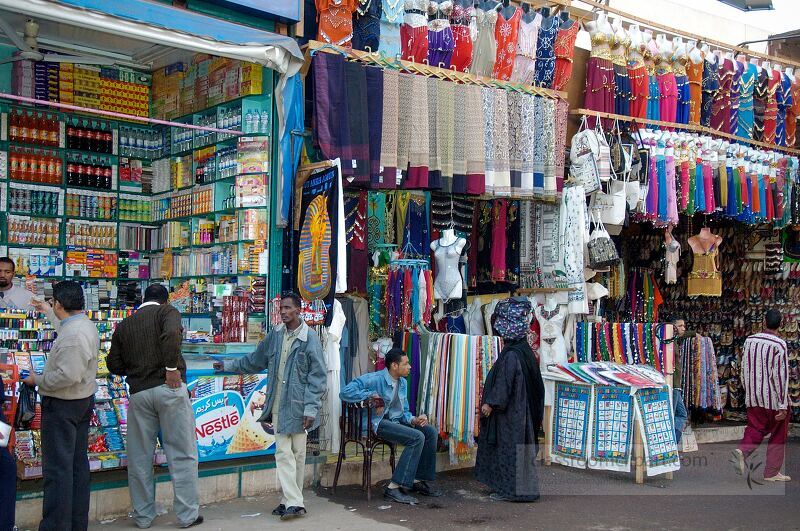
<point x="778" y="478"/>
<point x="738" y="461"/>
<point x="293" y="512"/>
<point x="279" y="510"/>
<point x="399" y="496"/>
<point x="426" y="489"/>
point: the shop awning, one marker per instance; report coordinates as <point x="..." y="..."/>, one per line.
<point x="149" y="33"/>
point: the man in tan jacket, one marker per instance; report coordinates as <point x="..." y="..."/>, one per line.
<point x="67" y="386"/>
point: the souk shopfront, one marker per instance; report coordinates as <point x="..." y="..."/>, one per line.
<point x="141" y="143"/>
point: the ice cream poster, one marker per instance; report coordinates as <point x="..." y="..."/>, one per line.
<point x="226" y="411"/>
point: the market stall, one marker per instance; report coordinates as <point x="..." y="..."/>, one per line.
<point x="144" y="153"/>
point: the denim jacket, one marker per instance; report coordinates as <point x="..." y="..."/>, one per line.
<point x="305" y="373"/>
<point x="381" y="384"/>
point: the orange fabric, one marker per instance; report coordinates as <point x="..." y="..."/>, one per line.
<point x="564" y="49"/>
<point x="695" y="74"/>
<point x="336" y="21"/>
<point x="506" y="33"/>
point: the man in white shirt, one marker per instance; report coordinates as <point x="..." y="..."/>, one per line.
<point x="11" y="296"/>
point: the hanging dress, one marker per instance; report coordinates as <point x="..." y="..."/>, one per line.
<point x="668" y="90"/>
<point x="694" y="75"/>
<point x="545" y="52"/>
<point x="336" y="21"/>
<point x="484" y="49"/>
<point x="622" y="85"/>
<point x="784" y="103"/>
<point x="682" y="84"/>
<point x="654" y="98"/>
<point x="710" y="88"/>
<point x="637" y="75"/>
<point x="599" y="93"/>
<point x="414" y="30"/>
<point x="506" y="34"/>
<point x="440" y="35"/>
<point x="525" y="62"/>
<point x="391" y="18"/>
<point x="721" y="107"/>
<point x="771" y="108"/>
<point x="746" y="87"/>
<point x="792" y="113"/>
<point x="736" y="97"/>
<point x="460" y="20"/>
<point x="760" y="103"/>
<point x="564" y="51"/>
<point x="367" y="25"/>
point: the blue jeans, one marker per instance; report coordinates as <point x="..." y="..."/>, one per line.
<point x="680" y="414"/>
<point x="419" y="456"/>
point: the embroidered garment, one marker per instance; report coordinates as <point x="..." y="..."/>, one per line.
<point x="390" y="129"/>
<point x="391" y="18"/>
<point x="414" y="30"/>
<point x="460" y="20"/>
<point x="545" y="52"/>
<point x="484" y="50"/>
<point x="525" y="61"/>
<point x="440" y="35"/>
<point x="367" y="25"/>
<point x="694" y="74"/>
<point x="564" y="50"/>
<point x="336" y="21"/>
<point x="506" y="34"/>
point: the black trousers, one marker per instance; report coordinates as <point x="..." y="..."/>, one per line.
<point x="65" y="465"/>
<point x="8" y="489"/>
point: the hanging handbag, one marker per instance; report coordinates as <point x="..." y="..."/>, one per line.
<point x="620" y="162"/>
<point x="610" y="206"/>
<point x="26" y="407"/>
<point x="584" y="156"/>
<point x="604" y="155"/>
<point x="601" y="249"/>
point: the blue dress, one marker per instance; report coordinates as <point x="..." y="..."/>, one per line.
<point x="391" y="18"/>
<point x="653" y="105"/>
<point x="545" y="65"/>
<point x="747" y="83"/>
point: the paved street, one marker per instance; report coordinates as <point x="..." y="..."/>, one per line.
<point x="705" y="494"/>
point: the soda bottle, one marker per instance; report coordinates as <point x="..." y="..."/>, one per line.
<point x="23" y="128"/>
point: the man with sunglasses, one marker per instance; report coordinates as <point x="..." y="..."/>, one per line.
<point x="67" y="386"/>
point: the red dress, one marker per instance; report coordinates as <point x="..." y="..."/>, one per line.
<point x="564" y="49"/>
<point x="459" y="23"/>
<point x="506" y="33"/>
<point x="771" y="112"/>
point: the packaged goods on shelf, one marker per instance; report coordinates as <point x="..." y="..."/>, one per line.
<point x="36" y="200"/>
<point x="139" y="237"/>
<point x="37" y="262"/>
<point x="81" y="233"/>
<point x="25" y="230"/>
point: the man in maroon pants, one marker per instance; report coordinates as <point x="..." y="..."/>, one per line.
<point x="765" y="372"/>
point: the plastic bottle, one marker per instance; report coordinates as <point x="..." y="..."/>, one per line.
<point x="248" y="122"/>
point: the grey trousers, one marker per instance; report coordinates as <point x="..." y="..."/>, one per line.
<point x="168" y="410"/>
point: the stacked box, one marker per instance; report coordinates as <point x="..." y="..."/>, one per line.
<point x="250" y="81"/>
<point x="87" y="86"/>
<point x="66" y="83"/>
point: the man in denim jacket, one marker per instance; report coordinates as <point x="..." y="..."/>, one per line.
<point x="292" y="355"/>
<point x="393" y="422"/>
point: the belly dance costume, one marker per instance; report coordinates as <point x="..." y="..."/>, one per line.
<point x="694" y="74"/>
<point x="599" y="95"/>
<point x="440" y="35"/>
<point x="336" y="21"/>
<point x="760" y="104"/>
<point x="747" y="85"/>
<point x="391" y="18"/>
<point x="637" y="75"/>
<point x="414" y="31"/>
<point x="622" y="84"/>
<point x="736" y="95"/>
<point x="460" y="20"/>
<point x="564" y="51"/>
<point x="525" y="62"/>
<point x="771" y="109"/>
<point x="545" y="53"/>
<point x="710" y="88"/>
<point x="654" y="98"/>
<point x="682" y="84"/>
<point x="668" y="90"/>
<point x="720" y="108"/>
<point x="506" y="34"/>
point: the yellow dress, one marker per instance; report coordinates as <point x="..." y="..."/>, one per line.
<point x="704" y="280"/>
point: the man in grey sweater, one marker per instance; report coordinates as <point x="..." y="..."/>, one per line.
<point x="67" y="386"/>
<point x="292" y="354"/>
<point x="146" y="349"/>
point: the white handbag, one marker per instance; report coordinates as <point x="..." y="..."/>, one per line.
<point x="584" y="157"/>
<point x="610" y="206"/>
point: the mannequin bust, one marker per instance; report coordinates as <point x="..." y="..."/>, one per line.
<point x="448" y="283"/>
<point x="488" y="5"/>
<point x="777" y="68"/>
<point x="790" y="73"/>
<point x="729" y="55"/>
<point x="553" y="348"/>
<point x="766" y="65"/>
<point x="508" y="10"/>
<point x="706" y="51"/>
<point x="705" y="241"/>
<point x="566" y="22"/>
<point x="678" y="45"/>
<point x="695" y="53"/>
<point x="528" y="14"/>
<point x="664" y="47"/>
<point x="754" y="61"/>
<point x="673" y="255"/>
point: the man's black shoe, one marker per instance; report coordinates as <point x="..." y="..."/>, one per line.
<point x="197" y="521"/>
<point x="279" y="510"/>
<point x="426" y="489"/>
<point x="293" y="512"/>
<point x="399" y="496"/>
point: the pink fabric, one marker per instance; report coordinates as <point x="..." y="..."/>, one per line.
<point x="599" y="94"/>
<point x="668" y="105"/>
<point x="760" y="423"/>
<point x="672" y="194"/>
<point x="708" y="184"/>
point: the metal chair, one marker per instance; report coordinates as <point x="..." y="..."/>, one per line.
<point x="355" y="425"/>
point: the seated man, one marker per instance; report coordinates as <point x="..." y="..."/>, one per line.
<point x="394" y="423"/>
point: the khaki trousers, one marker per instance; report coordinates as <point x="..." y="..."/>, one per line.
<point x="290" y="460"/>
